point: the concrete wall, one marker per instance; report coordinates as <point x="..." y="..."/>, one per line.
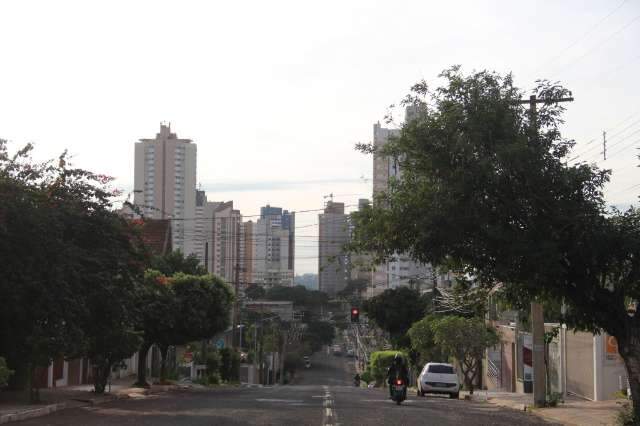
<point x="580" y="364"/>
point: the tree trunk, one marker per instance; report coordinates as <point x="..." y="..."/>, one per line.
<point x="101" y="374"/>
<point x="34" y="393"/>
<point x="142" y="365"/>
<point x="629" y="349"/>
<point x="164" y="351"/>
<point x="468" y="383"/>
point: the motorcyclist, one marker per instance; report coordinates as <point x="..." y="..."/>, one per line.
<point x="397" y="370"/>
<point x="356" y="380"/>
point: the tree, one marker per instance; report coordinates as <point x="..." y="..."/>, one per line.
<point x="255" y="292"/>
<point x="156" y="303"/>
<point x="66" y="256"/>
<point x="395" y="310"/>
<point x="160" y="309"/>
<point x="487" y="184"/>
<point x="319" y="333"/>
<point x="299" y="295"/>
<point x="423" y="342"/>
<point x="175" y="261"/>
<point x="465" y="339"/>
<point x="353" y="287"/>
<point x="202" y="310"/>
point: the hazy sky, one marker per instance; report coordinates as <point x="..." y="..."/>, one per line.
<point x="277" y="93"/>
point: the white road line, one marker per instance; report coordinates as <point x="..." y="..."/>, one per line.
<point x="328" y="416"/>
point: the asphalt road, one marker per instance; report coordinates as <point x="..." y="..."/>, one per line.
<point x="323" y="395"/>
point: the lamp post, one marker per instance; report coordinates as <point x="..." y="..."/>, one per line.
<point x="240" y="327"/>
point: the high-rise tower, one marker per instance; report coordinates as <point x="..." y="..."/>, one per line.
<point x="165" y="183"/>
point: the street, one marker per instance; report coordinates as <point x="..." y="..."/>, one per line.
<point x="322" y="395"/>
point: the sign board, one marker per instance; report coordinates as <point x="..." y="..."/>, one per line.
<point x="188" y="357"/>
<point x="611" y="348"/>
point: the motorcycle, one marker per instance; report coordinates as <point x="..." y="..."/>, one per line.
<point x="356" y="383"/>
<point x="398" y="391"/>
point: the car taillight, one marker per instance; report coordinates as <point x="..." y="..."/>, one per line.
<point x="398" y="382"/>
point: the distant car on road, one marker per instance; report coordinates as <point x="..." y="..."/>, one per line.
<point x="351" y="353"/>
<point x="439" y="378"/>
<point x="337" y="350"/>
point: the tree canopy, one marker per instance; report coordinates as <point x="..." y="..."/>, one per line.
<point x="465" y="339"/>
<point x="299" y="295"/>
<point x="487" y="183"/>
<point x="395" y="310"/>
<point x="175" y="261"/>
<point x="70" y="266"/>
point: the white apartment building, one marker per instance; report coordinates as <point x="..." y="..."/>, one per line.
<point x="222" y="239"/>
<point x="333" y="261"/>
<point x="270" y="264"/>
<point x="165" y="183"/>
<point x="400" y="271"/>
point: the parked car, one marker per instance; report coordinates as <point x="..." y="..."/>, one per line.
<point x="439" y="378"/>
<point x="350" y="353"/>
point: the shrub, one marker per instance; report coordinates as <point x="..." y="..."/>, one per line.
<point x="380" y="362"/>
<point x="213" y="362"/>
<point x="229" y="365"/>
<point x="366" y="376"/>
<point x="625" y="416"/>
<point x="5" y="372"/>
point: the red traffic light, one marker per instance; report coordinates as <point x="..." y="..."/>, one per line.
<point x="355" y="315"/>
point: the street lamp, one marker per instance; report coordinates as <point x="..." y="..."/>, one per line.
<point x="240" y="327"/>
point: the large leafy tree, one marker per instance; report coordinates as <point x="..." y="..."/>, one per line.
<point x="465" y="339"/>
<point x="70" y="266"/>
<point x="486" y="183"/>
<point x="156" y="303"/>
<point x="423" y="344"/>
<point x="395" y="310"/>
<point x="178" y="310"/>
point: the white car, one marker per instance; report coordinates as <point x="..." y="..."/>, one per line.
<point x="439" y="378"/>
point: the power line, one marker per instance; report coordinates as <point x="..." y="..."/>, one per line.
<point x="583" y="36"/>
<point x="597" y="46"/>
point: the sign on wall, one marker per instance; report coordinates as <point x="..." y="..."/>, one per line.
<point x="611" y="348"/>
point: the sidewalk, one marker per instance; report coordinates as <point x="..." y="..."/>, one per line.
<point x="54" y="399"/>
<point x="574" y="411"/>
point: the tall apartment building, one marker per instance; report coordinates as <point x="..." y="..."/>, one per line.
<point x="165" y="184"/>
<point x="222" y="239"/>
<point x="285" y="220"/>
<point x="361" y="265"/>
<point x="333" y="261"/>
<point x="270" y="262"/>
<point x="247" y="249"/>
<point x="401" y="270"/>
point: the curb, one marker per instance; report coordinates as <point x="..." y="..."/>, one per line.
<point x="36" y="412"/>
<point x="52" y="408"/>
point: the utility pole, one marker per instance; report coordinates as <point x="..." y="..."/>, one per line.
<point x="537" y="314"/>
<point x="236" y="285"/>
<point x="604" y="144"/>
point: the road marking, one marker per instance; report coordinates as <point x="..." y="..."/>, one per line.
<point x="329" y="417"/>
<point x="286" y="401"/>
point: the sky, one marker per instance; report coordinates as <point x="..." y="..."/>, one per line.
<point x="277" y="93"/>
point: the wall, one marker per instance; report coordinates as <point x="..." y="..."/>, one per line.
<point x="579" y="347"/>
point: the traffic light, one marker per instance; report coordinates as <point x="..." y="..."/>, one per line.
<point x="355" y="315"/>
